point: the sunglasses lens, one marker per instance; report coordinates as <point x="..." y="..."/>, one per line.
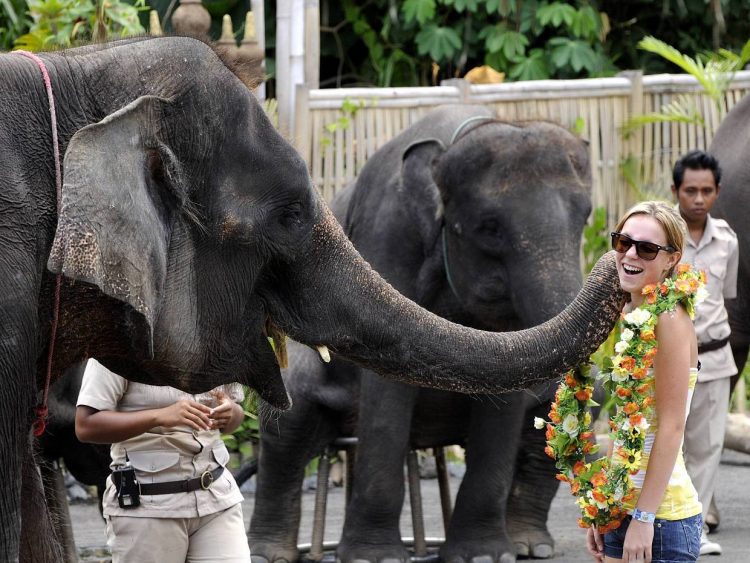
<point x="621" y="243"/>
<point x="647" y="250"/>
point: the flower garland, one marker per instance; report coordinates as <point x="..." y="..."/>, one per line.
<point x="602" y="488"/>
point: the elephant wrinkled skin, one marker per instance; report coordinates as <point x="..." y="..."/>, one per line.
<point x="188" y="226"/>
<point x="478" y="221"/>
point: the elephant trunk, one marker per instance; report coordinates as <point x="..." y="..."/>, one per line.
<point x="334" y="298"/>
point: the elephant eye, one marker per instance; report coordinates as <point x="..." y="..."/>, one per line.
<point x="491" y="227"/>
<point x="291" y="214"/>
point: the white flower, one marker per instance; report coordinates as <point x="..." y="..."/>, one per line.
<point x="621" y="346"/>
<point x="637" y="317"/>
<point x="538" y="423"/>
<point x="570" y="425"/>
<point x="619" y="375"/>
<point x="627" y="335"/>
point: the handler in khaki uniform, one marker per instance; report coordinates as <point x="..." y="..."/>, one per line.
<point x="711" y="247"/>
<point x="188" y="506"/>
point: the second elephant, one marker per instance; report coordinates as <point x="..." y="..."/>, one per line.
<point x="479" y="221"/>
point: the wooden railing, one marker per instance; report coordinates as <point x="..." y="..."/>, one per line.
<point x="623" y="169"/>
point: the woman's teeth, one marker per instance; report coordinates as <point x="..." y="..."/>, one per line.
<point x="632" y="270"/>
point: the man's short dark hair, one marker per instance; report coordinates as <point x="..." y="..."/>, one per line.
<point x="695" y="160"/>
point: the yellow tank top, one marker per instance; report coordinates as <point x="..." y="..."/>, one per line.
<point x="680" y="498"/>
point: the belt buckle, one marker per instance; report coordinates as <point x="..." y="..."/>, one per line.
<point x="207" y="479"/>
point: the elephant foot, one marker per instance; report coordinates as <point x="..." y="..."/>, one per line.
<point x="533" y="543"/>
<point x="478" y="551"/>
<point x="264" y="552"/>
<point x="367" y="553"/>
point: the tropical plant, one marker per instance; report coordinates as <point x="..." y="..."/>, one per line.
<point x="714" y="71"/>
<point x="12" y="22"/>
<point x="62" y="23"/>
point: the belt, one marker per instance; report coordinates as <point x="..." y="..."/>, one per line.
<point x="184" y="486"/>
<point x="712" y="345"/>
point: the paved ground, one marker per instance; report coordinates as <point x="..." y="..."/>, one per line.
<point x="733" y="498"/>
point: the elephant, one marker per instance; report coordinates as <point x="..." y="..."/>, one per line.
<point x="186" y="233"/>
<point x="731" y="147"/>
<point x="480" y="222"/>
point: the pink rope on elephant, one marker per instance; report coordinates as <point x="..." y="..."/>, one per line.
<point x="41" y="410"/>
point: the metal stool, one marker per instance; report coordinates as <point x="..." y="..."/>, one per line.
<point x="419" y="542"/>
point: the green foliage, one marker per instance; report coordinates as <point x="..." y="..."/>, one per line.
<point x="13" y="22"/>
<point x="595" y="238"/>
<point x="62" y="23"/>
<point x="249" y="431"/>
<point x="348" y="111"/>
<point x="422" y="41"/>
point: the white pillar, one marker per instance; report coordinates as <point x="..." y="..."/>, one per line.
<point x="312" y="44"/>
<point x="260" y="34"/>
<point x="296" y="55"/>
<point x="283" y="65"/>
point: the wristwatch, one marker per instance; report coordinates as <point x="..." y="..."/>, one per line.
<point x="641" y="516"/>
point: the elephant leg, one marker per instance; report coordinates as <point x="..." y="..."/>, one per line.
<point x="19" y="331"/>
<point x="534" y="487"/>
<point x="39" y="542"/>
<point x="285" y="449"/>
<point x="477" y="530"/>
<point x="371" y="528"/>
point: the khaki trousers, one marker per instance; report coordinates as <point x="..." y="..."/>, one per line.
<point x="704" y="436"/>
<point x="208" y="539"/>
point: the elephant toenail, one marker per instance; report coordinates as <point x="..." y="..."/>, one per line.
<point x="522" y="549"/>
<point x="482" y="559"/>
<point x="360" y="561"/>
<point x="258" y="559"/>
<point x="507" y="558"/>
<point x="391" y="560"/>
<point x="543" y="551"/>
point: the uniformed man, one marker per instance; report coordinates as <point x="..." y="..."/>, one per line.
<point x="170" y="498"/>
<point x="712" y="247"/>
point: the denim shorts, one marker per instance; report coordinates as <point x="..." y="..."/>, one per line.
<point x="674" y="540"/>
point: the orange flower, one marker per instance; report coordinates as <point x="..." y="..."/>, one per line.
<point x="586" y="435"/>
<point x="651" y="298"/>
<point x="578" y="466"/>
<point x="550" y="432"/>
<point x="587" y="447"/>
<point x="630" y="408"/>
<point x="636" y="419"/>
<point x="554" y="417"/>
<point x="570" y="381"/>
<point x="583" y="524"/>
<point x="683" y="286"/>
<point x="598" y="479"/>
<point x="683" y="268"/>
<point x="647" y="289"/>
<point x="663" y="289"/>
<point x="640" y="373"/>
<point x="591" y="510"/>
<point x="643" y="387"/>
<point x="583" y="394"/>
<point x="627" y="363"/>
<point x="561" y="477"/>
<point x="647" y="402"/>
<point x="575" y="486"/>
<point x="628" y="497"/>
<point x="599" y="496"/>
<point x="648" y="335"/>
<point x="623" y="392"/>
<point x="549" y="451"/>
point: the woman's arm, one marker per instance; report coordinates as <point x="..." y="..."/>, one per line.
<point x="676" y="337"/>
<point x="106" y="427"/>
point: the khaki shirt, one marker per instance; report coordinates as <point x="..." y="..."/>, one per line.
<point x="162" y="454"/>
<point x="716" y="254"/>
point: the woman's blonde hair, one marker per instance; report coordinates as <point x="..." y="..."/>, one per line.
<point x="668" y="217"/>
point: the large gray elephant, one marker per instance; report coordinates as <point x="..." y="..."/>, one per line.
<point x="479" y="221"/>
<point x="731" y="146"/>
<point x="188" y="231"/>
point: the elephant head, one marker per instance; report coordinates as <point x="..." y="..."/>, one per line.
<point x="191" y="217"/>
<point x="506" y="204"/>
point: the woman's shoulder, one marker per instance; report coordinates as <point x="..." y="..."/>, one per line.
<point x="675" y="323"/>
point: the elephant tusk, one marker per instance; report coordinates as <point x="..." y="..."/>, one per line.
<point x="325" y="355"/>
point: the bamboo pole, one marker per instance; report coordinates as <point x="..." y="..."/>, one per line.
<point x="283" y="64"/>
<point x="258" y="8"/>
<point x="312" y="43"/>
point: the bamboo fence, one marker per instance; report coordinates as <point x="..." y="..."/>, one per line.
<point x="623" y="169"/>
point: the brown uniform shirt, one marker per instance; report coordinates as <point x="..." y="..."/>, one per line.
<point x="162" y="454"/>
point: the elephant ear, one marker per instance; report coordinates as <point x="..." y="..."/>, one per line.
<point x="121" y="185"/>
<point x="419" y="189"/>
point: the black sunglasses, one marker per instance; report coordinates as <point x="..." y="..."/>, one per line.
<point x="644" y="249"/>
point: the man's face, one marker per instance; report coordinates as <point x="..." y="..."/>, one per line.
<point x="696" y="195"/>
